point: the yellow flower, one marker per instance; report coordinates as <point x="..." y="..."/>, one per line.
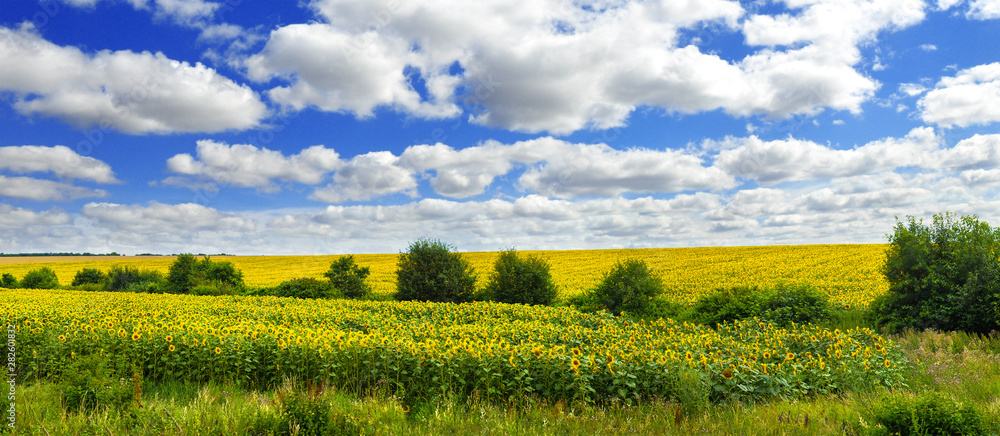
<point x="169" y="338"/>
<point x="72" y="355"/>
<point x="688" y="356"/>
<point x="136" y="336"/>
<point x="172" y="348"/>
<point x="790" y="356"/>
<point x="218" y="350"/>
<point x="575" y="363"/>
<point x="576" y="352"/>
<point x="727" y="373"/>
<point x="767" y="355"/>
<point x="62" y="338"/>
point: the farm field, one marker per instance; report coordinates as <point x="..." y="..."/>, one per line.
<point x="848" y="273"/>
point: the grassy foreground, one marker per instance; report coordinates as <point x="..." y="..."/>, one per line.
<point x="956" y="366"/>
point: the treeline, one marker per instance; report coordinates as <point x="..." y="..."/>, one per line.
<point x="57" y="254"/>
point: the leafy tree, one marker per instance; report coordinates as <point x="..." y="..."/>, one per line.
<point x="187" y="273"/>
<point x="132" y="279"/>
<point x="89" y="276"/>
<point x="42" y="278"/>
<point x="306" y="287"/>
<point x="630" y="287"/>
<point x="8" y="281"/>
<point x="430" y="271"/>
<point x="944" y="276"/>
<point x="347" y="277"/>
<point x="520" y="280"/>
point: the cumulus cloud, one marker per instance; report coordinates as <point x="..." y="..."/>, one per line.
<point x="772" y="162"/>
<point x="551" y="66"/>
<point x="970" y="97"/>
<point x="245" y="165"/>
<point x="984" y="9"/>
<point x="58" y="160"/>
<point x="44" y="190"/>
<point x="368" y="176"/>
<point x="131" y="92"/>
<point x="158" y="218"/>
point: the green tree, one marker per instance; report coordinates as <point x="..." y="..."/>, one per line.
<point x="89" y="276"/>
<point x="944" y="276"/>
<point x="630" y="286"/>
<point x="430" y="271"/>
<point x="520" y="280"/>
<point x="8" y="281"/>
<point x="187" y="273"/>
<point x="42" y="278"/>
<point x="349" y="278"/>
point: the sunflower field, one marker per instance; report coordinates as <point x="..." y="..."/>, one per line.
<point x="418" y="350"/>
<point x="849" y="274"/>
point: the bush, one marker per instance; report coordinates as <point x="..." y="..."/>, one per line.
<point x="187" y="273"/>
<point x="429" y="271"/>
<point x="520" y="280"/>
<point x="42" y="278"/>
<point x="8" y="281"/>
<point x="945" y="276"/>
<point x="131" y="279"/>
<point x="303" y="288"/>
<point x="89" y="276"/>
<point x="348" y="277"/>
<point x="800" y="304"/>
<point x="930" y="414"/>
<point x="630" y="287"/>
<point x="727" y="304"/>
<point x="781" y="305"/>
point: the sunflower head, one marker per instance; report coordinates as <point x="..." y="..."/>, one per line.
<point x="218" y="350"/>
<point x="727" y="373"/>
<point x="575" y="363"/>
<point x="172" y="348"/>
<point x="136" y="336"/>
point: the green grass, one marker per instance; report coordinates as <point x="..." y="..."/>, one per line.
<point x="965" y="368"/>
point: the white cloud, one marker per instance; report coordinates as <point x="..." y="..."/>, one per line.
<point x="772" y="162"/>
<point x="550" y="66"/>
<point x="44" y="190"/>
<point x="132" y="92"/>
<point x="58" y="160"/>
<point x="912" y="89"/>
<point x="368" y="176"/>
<point x="244" y="165"/>
<point x="970" y="97"/>
<point x="984" y="9"/>
<point x="184" y="12"/>
<point x="158" y="218"/>
<point x="928" y="47"/>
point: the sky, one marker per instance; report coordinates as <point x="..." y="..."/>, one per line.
<point x="350" y="126"/>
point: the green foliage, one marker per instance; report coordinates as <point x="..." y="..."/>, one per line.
<point x="944" y="276"/>
<point x="92" y="381"/>
<point x="727" y="304"/>
<point x="520" y="280"/>
<point x="628" y="287"/>
<point x="42" y="278"/>
<point x="8" y="281"/>
<point x="800" y="304"/>
<point x="930" y="414"/>
<point x="131" y="279"/>
<point x="430" y="271"/>
<point x="306" y="287"/>
<point x="306" y="413"/>
<point x="89" y="276"/>
<point x="187" y="273"/>
<point x="781" y="305"/>
<point x="347" y="277"/>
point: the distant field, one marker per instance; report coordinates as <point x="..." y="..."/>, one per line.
<point x="849" y="273"/>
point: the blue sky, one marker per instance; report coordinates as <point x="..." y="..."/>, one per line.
<point x="343" y="126"/>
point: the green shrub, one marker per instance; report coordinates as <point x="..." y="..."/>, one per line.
<point x="8" y="281"/>
<point x="306" y="413"/>
<point x="945" y="276"/>
<point x="520" y="280"/>
<point x="92" y="381"/>
<point x="727" y="304"/>
<point x="929" y="414"/>
<point x="132" y="279"/>
<point x="629" y="287"/>
<point x="306" y="287"/>
<point x="42" y="278"/>
<point x="430" y="271"/>
<point x="187" y="273"/>
<point x="89" y="276"/>
<point x="347" y="277"/>
<point x="800" y="304"/>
